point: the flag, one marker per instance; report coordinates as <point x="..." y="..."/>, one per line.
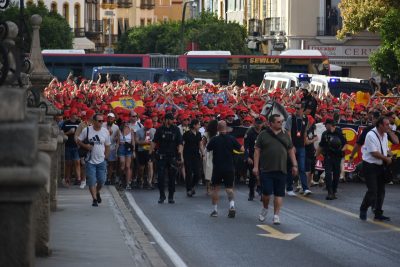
<point x="126" y="102"/>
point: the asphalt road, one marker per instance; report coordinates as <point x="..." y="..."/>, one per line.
<point x="330" y="233"/>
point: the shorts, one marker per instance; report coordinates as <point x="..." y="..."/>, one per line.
<point x="71" y="153"/>
<point x="96" y="173"/>
<point x="113" y="155"/>
<point x="226" y="177"/>
<point x="273" y="183"/>
<point x="123" y="151"/>
<point x="143" y="157"/>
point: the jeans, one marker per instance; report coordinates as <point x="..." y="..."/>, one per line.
<point x="332" y="173"/>
<point x="375" y="195"/>
<point x="167" y="163"/>
<point x="301" y="162"/>
<point x="96" y="173"/>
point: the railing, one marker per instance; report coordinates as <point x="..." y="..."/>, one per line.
<point x="255" y="27"/>
<point x="94" y="26"/>
<point x="273" y="25"/>
<point x="147" y="4"/>
<point x="79" y="32"/>
<point x="124" y="3"/>
<point x="328" y="27"/>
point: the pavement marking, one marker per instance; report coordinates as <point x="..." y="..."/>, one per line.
<point x="176" y="260"/>
<point x="273" y="233"/>
<point x="348" y="213"/>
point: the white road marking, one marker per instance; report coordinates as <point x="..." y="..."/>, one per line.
<point x="176" y="260"/>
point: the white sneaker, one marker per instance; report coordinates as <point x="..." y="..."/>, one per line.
<point x="83" y="184"/>
<point x="307" y="192"/>
<point x="262" y="215"/>
<point x="276" y="220"/>
<point x="291" y="193"/>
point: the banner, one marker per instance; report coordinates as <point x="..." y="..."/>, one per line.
<point x="351" y="133"/>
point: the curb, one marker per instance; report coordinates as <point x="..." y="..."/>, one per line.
<point x="150" y="254"/>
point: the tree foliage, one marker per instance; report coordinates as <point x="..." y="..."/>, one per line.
<point x="207" y="31"/>
<point x="55" y="32"/>
<point x="386" y="60"/>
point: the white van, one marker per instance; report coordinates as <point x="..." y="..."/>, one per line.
<point x="336" y="85"/>
<point x="287" y="81"/>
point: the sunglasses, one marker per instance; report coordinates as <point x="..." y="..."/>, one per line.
<point x="133" y="116"/>
<point x="279" y="122"/>
<point x="100" y="121"/>
<point x="297" y="108"/>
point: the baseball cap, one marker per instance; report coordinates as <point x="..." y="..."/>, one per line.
<point x="111" y="115"/>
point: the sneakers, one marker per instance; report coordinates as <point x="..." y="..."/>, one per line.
<point x="171" y="201"/>
<point x="128" y="187"/>
<point x="330" y="197"/>
<point x="231" y="213"/>
<point x="363" y="215"/>
<point x="189" y="193"/>
<point x="77" y="182"/>
<point x="83" y="184"/>
<point x="262" y="215"/>
<point x="94" y="203"/>
<point x="214" y="213"/>
<point x="276" y="220"/>
<point x="98" y="197"/>
<point x="291" y="193"/>
<point x="381" y="218"/>
<point x="307" y="192"/>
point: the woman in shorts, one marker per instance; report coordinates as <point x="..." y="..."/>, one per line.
<point x="125" y="150"/>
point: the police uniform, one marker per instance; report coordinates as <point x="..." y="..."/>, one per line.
<point x="332" y="144"/>
<point x="249" y="142"/>
<point x="168" y="139"/>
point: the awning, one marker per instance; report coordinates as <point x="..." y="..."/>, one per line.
<point x="83" y="43"/>
<point x="334" y="67"/>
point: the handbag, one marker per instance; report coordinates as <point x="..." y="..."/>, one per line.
<point x="387" y="171"/>
<point x="128" y="146"/>
<point x="83" y="151"/>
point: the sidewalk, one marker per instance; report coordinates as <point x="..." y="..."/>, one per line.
<point x="108" y="235"/>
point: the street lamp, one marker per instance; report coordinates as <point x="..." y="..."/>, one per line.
<point x="194" y="5"/>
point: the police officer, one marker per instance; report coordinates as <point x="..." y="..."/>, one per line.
<point x="332" y="146"/>
<point x="249" y="142"/>
<point x="169" y="156"/>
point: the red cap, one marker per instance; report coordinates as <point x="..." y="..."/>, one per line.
<point x="148" y="123"/>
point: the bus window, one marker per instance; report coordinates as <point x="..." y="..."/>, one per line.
<point x="284" y="85"/>
<point x="272" y="84"/>
<point x="292" y="84"/>
<point x="267" y="84"/>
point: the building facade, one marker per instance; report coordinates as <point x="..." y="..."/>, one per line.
<point x="309" y="24"/>
<point x="168" y="10"/>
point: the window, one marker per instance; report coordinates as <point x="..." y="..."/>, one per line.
<point x="77" y="16"/>
<point x="165" y="19"/>
<point x="66" y="11"/>
<point x="332" y="17"/>
<point x="148" y="21"/>
<point x="231" y="5"/>
<point x="142" y="22"/>
<point x="264" y="8"/>
<point x="53" y="7"/>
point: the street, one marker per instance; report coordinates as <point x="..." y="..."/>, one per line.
<point x="323" y="233"/>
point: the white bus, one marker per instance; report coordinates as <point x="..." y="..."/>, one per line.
<point x="287" y="81"/>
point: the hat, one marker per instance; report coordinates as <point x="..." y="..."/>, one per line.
<point x="148" y="123"/>
<point x="169" y="116"/>
<point x="111" y="115"/>
<point x="329" y="121"/>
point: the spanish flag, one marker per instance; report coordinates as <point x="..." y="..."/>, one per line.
<point x="126" y="102"/>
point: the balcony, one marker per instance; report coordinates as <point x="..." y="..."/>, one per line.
<point x="94" y="27"/>
<point x="255" y="27"/>
<point x="79" y="32"/>
<point x="273" y="25"/>
<point x="147" y="4"/>
<point x="124" y="3"/>
<point x="328" y="27"/>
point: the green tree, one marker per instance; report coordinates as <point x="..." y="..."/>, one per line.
<point x="207" y="31"/>
<point x="55" y="32"/>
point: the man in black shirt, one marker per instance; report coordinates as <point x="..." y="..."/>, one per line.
<point x="249" y="142"/>
<point x="72" y="159"/>
<point x="169" y="141"/>
<point x="332" y="146"/>
<point x="191" y="155"/>
<point x="222" y="147"/>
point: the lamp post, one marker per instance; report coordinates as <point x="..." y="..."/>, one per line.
<point x="183" y="21"/>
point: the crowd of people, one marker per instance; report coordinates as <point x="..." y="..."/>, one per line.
<point x="184" y="132"/>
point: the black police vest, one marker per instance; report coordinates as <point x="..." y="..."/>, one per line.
<point x="298" y="130"/>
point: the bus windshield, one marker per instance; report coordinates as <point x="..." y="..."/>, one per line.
<point x="335" y="88"/>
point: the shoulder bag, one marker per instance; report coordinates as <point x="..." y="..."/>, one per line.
<point x="83" y="151"/>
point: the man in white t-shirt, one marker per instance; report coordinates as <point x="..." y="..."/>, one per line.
<point x="375" y="155"/>
<point x="98" y="150"/>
